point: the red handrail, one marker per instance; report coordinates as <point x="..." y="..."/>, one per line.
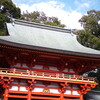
<point x="49" y="75"/>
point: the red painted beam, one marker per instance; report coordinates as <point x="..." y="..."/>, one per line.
<point x="16" y="96"/>
<point x="45" y="98"/>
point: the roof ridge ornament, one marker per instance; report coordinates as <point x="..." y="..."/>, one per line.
<point x="12" y="20"/>
<point x="72" y="32"/>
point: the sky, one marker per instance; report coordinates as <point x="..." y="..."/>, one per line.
<point x="68" y="11"/>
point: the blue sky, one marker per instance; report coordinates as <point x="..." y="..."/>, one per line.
<point x="68" y="11"/>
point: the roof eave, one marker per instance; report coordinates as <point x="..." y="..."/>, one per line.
<point x="24" y="46"/>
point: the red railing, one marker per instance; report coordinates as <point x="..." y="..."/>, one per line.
<point x="63" y="76"/>
<point x="47" y="74"/>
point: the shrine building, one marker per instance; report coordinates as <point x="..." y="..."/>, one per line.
<point x="42" y="62"/>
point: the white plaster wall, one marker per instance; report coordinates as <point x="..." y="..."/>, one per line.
<point x="23" y="82"/>
<point x="15" y="81"/>
<point x="37" y="67"/>
<point x="22" y="88"/>
<point x="39" y="84"/>
<point x="67" y="92"/>
<point x="15" y="88"/>
<point x="24" y="65"/>
<point x="68" y="87"/>
<point x="37" y="90"/>
<point x="65" y="70"/>
<point x="53" y="85"/>
<point x="71" y="70"/>
<point x="75" y="87"/>
<point x="53" y="68"/>
<point x="17" y="65"/>
<point x="54" y="91"/>
<point x="75" y="93"/>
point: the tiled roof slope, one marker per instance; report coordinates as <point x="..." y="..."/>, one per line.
<point x="43" y="37"/>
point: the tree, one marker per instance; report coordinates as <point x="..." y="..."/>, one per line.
<point x="90" y="36"/>
<point x="40" y="17"/>
<point x="7" y="8"/>
<point x="97" y="75"/>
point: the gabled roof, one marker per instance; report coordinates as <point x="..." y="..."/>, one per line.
<point x="35" y="36"/>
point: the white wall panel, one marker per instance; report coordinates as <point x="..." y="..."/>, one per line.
<point x="39" y="84"/>
<point x="65" y="70"/>
<point x="53" y="68"/>
<point x="17" y="65"/>
<point x="23" y="82"/>
<point x="14" y="82"/>
<point x="22" y="88"/>
<point x="71" y="70"/>
<point x="38" y="90"/>
<point x="75" y="93"/>
<point x="54" y="91"/>
<point x="15" y="88"/>
<point x="53" y="85"/>
<point x="38" y="67"/>
<point x="67" y="92"/>
<point x="75" y="87"/>
<point x="68" y="87"/>
<point x="24" y="65"/>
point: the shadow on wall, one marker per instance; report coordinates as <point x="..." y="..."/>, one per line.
<point x="92" y="95"/>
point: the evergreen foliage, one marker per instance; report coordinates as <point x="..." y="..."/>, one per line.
<point x="97" y="75"/>
<point x="7" y="9"/>
<point x="40" y="17"/>
<point x="90" y="35"/>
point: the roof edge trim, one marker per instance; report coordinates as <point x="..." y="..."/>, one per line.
<point x="22" y="46"/>
<point x="42" y="26"/>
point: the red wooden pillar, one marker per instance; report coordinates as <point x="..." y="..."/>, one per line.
<point x="6" y="93"/>
<point x="29" y="94"/>
<point x="29" y="88"/>
<point x="81" y="96"/>
<point x="62" y="90"/>
<point x="6" y="85"/>
<point x="61" y="96"/>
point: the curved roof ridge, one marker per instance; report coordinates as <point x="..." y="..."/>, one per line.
<point x="39" y="25"/>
